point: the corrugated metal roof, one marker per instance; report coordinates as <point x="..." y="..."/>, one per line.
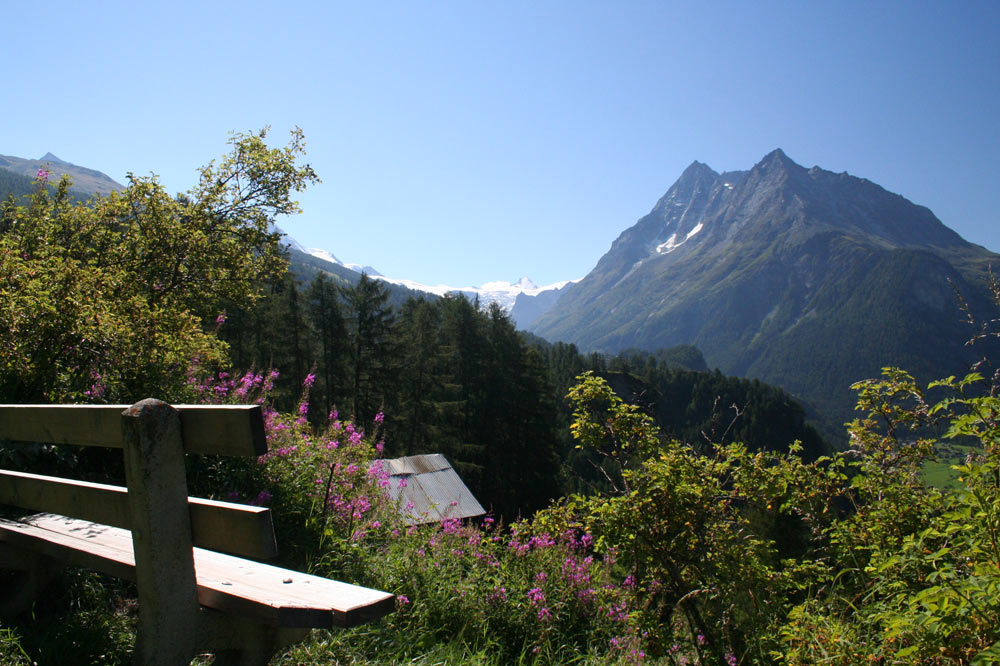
<point x="427" y="489"/>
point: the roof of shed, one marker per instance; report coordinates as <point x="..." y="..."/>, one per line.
<point x="427" y="489"/>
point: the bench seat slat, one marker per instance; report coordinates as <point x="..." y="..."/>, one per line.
<point x="328" y="603"/>
<point x="100" y="554"/>
<point x="234" y="430"/>
<point x="224" y="582"/>
<point x="231" y="528"/>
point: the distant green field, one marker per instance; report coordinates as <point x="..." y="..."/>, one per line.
<point x="939" y="473"/>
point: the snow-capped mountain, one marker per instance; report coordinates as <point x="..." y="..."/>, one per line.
<point x="503" y="293"/>
<point x="329" y="256"/>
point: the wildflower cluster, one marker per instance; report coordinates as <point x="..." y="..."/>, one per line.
<point x="526" y="592"/>
<point x="329" y="478"/>
<point x="524" y="589"/>
<point x="324" y="483"/>
<point x="221" y="387"/>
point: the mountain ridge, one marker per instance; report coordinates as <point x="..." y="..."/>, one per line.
<point x="757" y="268"/>
<point x="305" y="261"/>
<point x="85" y="180"/>
<point x="507" y="294"/>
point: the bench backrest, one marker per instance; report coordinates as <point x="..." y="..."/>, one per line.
<point x="205" y="429"/>
<point x="230" y="430"/>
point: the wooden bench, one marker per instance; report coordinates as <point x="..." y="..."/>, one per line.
<point x="198" y="591"/>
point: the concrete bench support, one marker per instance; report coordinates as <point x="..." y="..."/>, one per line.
<point x="161" y="533"/>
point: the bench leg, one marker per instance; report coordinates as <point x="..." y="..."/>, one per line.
<point x="262" y="649"/>
<point x="23" y="577"/>
<point x="153" y="449"/>
<point x="242" y="642"/>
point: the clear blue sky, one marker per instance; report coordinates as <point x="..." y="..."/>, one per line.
<point x="461" y="142"/>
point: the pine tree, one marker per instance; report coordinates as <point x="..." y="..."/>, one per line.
<point x="519" y="422"/>
<point x="371" y="322"/>
<point x="426" y="386"/>
<point x="327" y="319"/>
<point x="462" y="327"/>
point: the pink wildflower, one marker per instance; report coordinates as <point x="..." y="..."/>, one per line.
<point x="499" y="594"/>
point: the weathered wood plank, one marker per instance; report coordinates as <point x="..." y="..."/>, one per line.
<point x="224" y="582"/>
<point x="233" y="528"/>
<point x="225" y="526"/>
<point x="235" y="430"/>
<point x="97" y="502"/>
<point x="296" y="599"/>
<point x="83" y="425"/>
<point x="228" y="430"/>
<point x="75" y="542"/>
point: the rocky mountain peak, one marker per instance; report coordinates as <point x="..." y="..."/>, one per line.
<point x="698" y="176"/>
<point x="525" y="283"/>
<point x="698" y="170"/>
<point x="49" y="157"/>
<point x="776" y="165"/>
<point x="777" y="156"/>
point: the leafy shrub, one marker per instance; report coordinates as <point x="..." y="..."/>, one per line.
<point x="105" y="300"/>
<point x="713" y="545"/>
<point x="918" y="569"/>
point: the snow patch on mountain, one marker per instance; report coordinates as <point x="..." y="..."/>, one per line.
<point x="322" y="254"/>
<point x="671" y="243"/>
<point x="668" y="246"/>
<point x="325" y="255"/>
